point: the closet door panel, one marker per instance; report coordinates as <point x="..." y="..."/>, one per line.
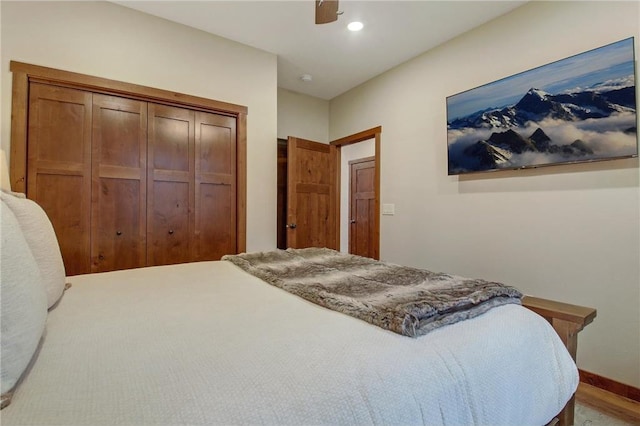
<point x="121" y="132"/>
<point x="59" y="167"/>
<point x="59" y="120"/>
<point x="170" y="222"/>
<point x="171" y="185"/>
<point x="116" y="229"/>
<point x="216" y="144"/>
<point x="172" y="127"/>
<point x="62" y="198"/>
<point x="119" y="159"/>
<point x="217" y="228"/>
<point x="215" y="191"/>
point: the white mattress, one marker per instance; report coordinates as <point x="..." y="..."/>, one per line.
<point x="206" y="343"/>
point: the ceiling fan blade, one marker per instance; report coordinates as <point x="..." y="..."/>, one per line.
<point x="326" y="11"/>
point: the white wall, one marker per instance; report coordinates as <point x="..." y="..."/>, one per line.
<point x="570" y="233"/>
<point x="349" y="153"/>
<point x="107" y="40"/>
<point x="302" y="116"/>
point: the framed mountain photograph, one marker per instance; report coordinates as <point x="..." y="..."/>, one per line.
<point x="582" y="108"/>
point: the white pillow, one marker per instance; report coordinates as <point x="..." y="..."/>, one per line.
<point x="23" y="303"/>
<point x="41" y="238"/>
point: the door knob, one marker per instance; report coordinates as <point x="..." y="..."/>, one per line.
<point x="352" y="221"/>
<point x="292" y="226"/>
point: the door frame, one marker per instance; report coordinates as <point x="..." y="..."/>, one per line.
<point x="335" y="151"/>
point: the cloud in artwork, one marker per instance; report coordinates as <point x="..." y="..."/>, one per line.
<point x="605" y="136"/>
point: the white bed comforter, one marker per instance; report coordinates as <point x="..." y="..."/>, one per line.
<point x="206" y="343"/>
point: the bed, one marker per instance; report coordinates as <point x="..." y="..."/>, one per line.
<point x="208" y="343"/>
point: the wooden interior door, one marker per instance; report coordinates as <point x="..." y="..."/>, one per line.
<point x="171" y="182"/>
<point x="310" y="192"/>
<point x="362" y="207"/>
<point x="215" y="186"/>
<point x="119" y="178"/>
<point x="59" y="167"/>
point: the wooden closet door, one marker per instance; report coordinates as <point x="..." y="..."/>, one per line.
<point x="170" y="184"/>
<point x="59" y="167"/>
<point x="215" y="191"/>
<point x="119" y="169"/>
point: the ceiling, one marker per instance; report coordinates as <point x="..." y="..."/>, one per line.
<point x="336" y="58"/>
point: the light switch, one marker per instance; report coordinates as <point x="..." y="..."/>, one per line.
<point x="389" y="209"/>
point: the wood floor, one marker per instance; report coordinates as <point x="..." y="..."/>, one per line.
<point x="609" y="403"/>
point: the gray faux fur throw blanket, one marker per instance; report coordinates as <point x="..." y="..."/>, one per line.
<point x="405" y="300"/>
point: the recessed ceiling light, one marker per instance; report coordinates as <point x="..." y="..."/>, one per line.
<point x="355" y="26"/>
<point x="306" y="78"/>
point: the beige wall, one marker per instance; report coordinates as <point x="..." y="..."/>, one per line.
<point x="302" y="116"/>
<point x="111" y="41"/>
<point x="570" y="233"/>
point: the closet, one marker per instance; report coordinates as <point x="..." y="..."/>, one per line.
<point x="130" y="182"/>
